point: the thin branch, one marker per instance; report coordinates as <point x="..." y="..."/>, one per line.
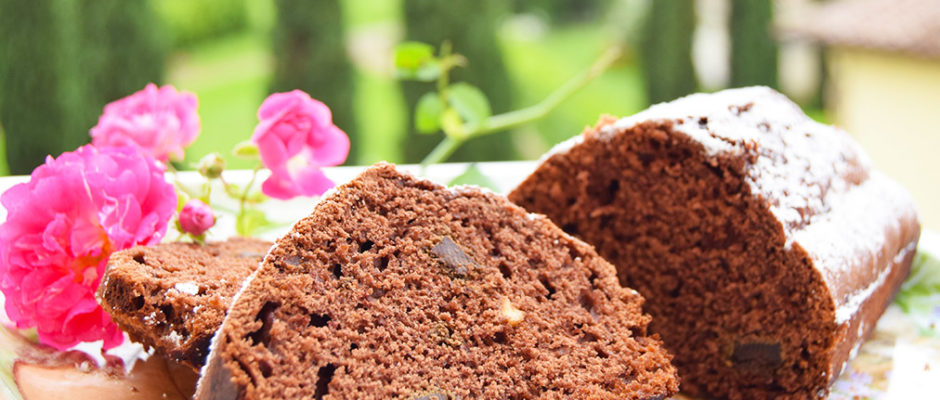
<point x="441" y="152"/>
<point x="512" y="119"/>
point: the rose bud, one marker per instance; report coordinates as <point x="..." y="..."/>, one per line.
<point x="196" y="217"/>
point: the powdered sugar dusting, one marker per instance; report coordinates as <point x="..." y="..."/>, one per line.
<point x="861" y="241"/>
<point x="563" y="147"/>
<point x="189" y="288"/>
<point x="814" y="179"/>
<point x="797" y="162"/>
<point x="174" y="338"/>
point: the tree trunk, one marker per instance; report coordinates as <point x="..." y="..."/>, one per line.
<point x="666" y="50"/>
<point x="124" y="49"/>
<point x="41" y="88"/>
<point x="61" y="62"/>
<point x="753" y="50"/>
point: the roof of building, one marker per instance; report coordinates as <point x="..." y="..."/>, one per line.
<point x="909" y="26"/>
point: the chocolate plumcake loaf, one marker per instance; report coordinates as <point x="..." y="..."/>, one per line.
<point x="173" y="296"/>
<point x="764" y="243"/>
<point x="397" y="288"/>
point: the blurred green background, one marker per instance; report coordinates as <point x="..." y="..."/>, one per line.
<point x="61" y="61"/>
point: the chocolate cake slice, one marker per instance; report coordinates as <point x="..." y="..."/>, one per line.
<point x="764" y="243"/>
<point x="397" y="288"/>
<point x="173" y="296"/>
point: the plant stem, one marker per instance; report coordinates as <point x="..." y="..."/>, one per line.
<point x="444" y="78"/>
<point x="244" y="197"/>
<point x="179" y="185"/>
<point x="442" y="151"/>
<point x="512" y="119"/>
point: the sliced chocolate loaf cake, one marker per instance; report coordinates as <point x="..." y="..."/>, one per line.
<point x="764" y="243"/>
<point x="397" y="288"/>
<point x="173" y="296"/>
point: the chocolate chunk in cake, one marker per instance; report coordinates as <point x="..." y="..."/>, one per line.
<point x="764" y="243"/>
<point x="173" y="296"/>
<point x="397" y="288"/>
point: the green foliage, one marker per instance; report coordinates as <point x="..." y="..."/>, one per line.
<point x="473" y="176"/>
<point x="469" y="102"/>
<point x="42" y="104"/>
<point x="124" y="48"/>
<point x="753" y="50"/>
<point x="919" y="296"/>
<point x="247" y="150"/>
<point x="458" y="107"/>
<point x="10" y="347"/>
<point x="428" y="113"/>
<point x="310" y="55"/>
<point x="463" y="112"/>
<point x="453" y="124"/>
<point x="4" y="168"/>
<point x="181" y="198"/>
<point x="921" y="290"/>
<point x="537" y="66"/>
<point x="416" y="61"/>
<point x="251" y="222"/>
<point x="470" y="26"/>
<point x="666" y="50"/>
<point x="61" y="62"/>
<point x="193" y="21"/>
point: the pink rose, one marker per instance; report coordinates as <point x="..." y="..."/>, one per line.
<point x="159" y="122"/>
<point x="61" y="227"/>
<point x="296" y="137"/>
<point x="196" y="217"/>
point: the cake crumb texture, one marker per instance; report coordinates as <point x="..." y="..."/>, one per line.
<point x="397" y="288"/>
<point x="173" y="296"/>
<point x="765" y="244"/>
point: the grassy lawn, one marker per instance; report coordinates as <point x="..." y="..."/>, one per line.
<point x="230" y="76"/>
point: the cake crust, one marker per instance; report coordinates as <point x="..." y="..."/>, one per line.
<point x="173" y="296"/>
<point x="397" y="288"/>
<point x="766" y="245"/>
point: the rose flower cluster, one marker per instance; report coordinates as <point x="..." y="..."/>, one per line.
<point x="78" y="208"/>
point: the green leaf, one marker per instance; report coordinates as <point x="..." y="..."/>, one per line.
<point x="469" y="102"/>
<point x="453" y="124"/>
<point x="181" y="199"/>
<point x="416" y="61"/>
<point x="246" y="150"/>
<point x="10" y="344"/>
<point x="428" y="113"/>
<point x="922" y="284"/>
<point x="411" y="55"/>
<point x="252" y="221"/>
<point x="473" y="176"/>
<point x="233" y="190"/>
<point x="428" y="73"/>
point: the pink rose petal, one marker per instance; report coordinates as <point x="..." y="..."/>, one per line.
<point x="160" y="122"/>
<point x="61" y="227"/>
<point x="295" y="138"/>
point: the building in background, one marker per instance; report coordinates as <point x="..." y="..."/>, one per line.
<point x="884" y="84"/>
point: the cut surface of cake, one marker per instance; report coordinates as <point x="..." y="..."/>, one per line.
<point x="173" y="296"/>
<point x="398" y="288"/>
<point x="766" y="246"/>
